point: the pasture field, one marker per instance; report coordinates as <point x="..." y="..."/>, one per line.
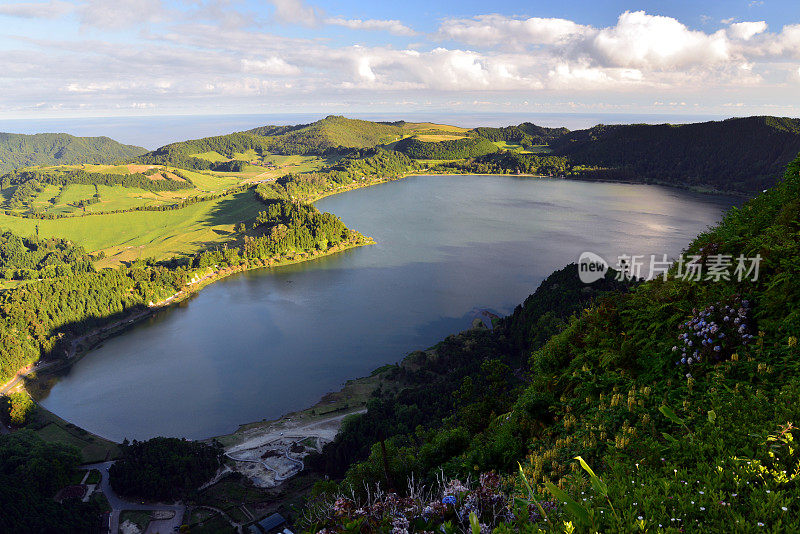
<point x="535" y="149"/>
<point x="421" y="127"/>
<point x="43" y="199"/>
<point x="139" y="234"/>
<point x="208" y="182"/>
<point x="210" y="156"/>
<point x="76" y="193"/>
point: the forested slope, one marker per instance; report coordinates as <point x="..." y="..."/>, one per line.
<point x="740" y="155"/>
<point x="19" y="150"/>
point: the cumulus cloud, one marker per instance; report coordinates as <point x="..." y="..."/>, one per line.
<point x="392" y="26"/>
<point x="746" y="30"/>
<point x="36" y="10"/>
<point x="491" y="30"/>
<point x="784" y="45"/>
<point x="190" y="54"/>
<point x="657" y="42"/>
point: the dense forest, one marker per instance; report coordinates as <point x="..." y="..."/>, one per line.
<point x="31" y="471"/>
<point x="42" y="316"/>
<point x="30" y="258"/>
<point x="662" y="407"/>
<point x="508" y="162"/>
<point x="468" y="147"/>
<point x="164" y="469"/>
<point x="19" y="150"/>
<point x="738" y="155"/>
<point x="526" y="134"/>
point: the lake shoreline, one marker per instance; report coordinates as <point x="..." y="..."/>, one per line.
<point x="44" y="369"/>
<point x="97" y="338"/>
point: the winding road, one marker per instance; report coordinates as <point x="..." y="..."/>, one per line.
<point x="118" y="504"/>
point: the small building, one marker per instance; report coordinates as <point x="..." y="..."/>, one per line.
<point x="271" y="523"/>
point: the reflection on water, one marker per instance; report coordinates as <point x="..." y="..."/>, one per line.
<point x="262" y="343"/>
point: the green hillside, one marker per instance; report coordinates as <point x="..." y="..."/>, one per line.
<point x="741" y="155"/>
<point x="666" y="407"/>
<point x="19" y="150"/>
<point x="331" y="132"/>
<point x="526" y="134"/>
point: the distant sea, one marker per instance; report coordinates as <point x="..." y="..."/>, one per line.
<point x="154" y="131"/>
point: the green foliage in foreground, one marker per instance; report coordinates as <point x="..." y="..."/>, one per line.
<point x="468" y="147"/>
<point x="613" y="427"/>
<point x="164" y="468"/>
<point x="19" y="150"/>
<point x="31" y="472"/>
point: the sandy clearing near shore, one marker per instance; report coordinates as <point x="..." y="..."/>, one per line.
<point x="324" y="429"/>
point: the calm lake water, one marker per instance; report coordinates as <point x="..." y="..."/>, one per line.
<point x="263" y="343"/>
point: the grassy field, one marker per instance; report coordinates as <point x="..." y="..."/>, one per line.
<point x="77" y="192"/>
<point x="422" y="127"/>
<point x="210" y="156"/>
<point x="160" y="234"/>
<point x="52" y="428"/>
<point x="210" y="182"/>
<point x="535" y="149"/>
<point x="43" y="199"/>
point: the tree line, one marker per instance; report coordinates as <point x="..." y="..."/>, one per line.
<point x="468" y="147"/>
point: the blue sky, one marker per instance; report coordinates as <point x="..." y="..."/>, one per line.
<point x="66" y="58"/>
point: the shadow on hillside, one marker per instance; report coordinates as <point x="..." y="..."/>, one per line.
<point x="233" y="209"/>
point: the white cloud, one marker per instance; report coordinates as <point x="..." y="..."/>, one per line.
<point x="273" y="65"/>
<point x="746" y="30"/>
<point x="785" y="45"/>
<point x="295" y="12"/>
<point x="36" y="10"/>
<point x="122" y="13"/>
<point x="647" y="41"/>
<point x="193" y="55"/>
<point x="392" y="26"/>
<point x="491" y="30"/>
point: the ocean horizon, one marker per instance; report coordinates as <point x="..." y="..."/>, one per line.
<point x="153" y="131"/>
